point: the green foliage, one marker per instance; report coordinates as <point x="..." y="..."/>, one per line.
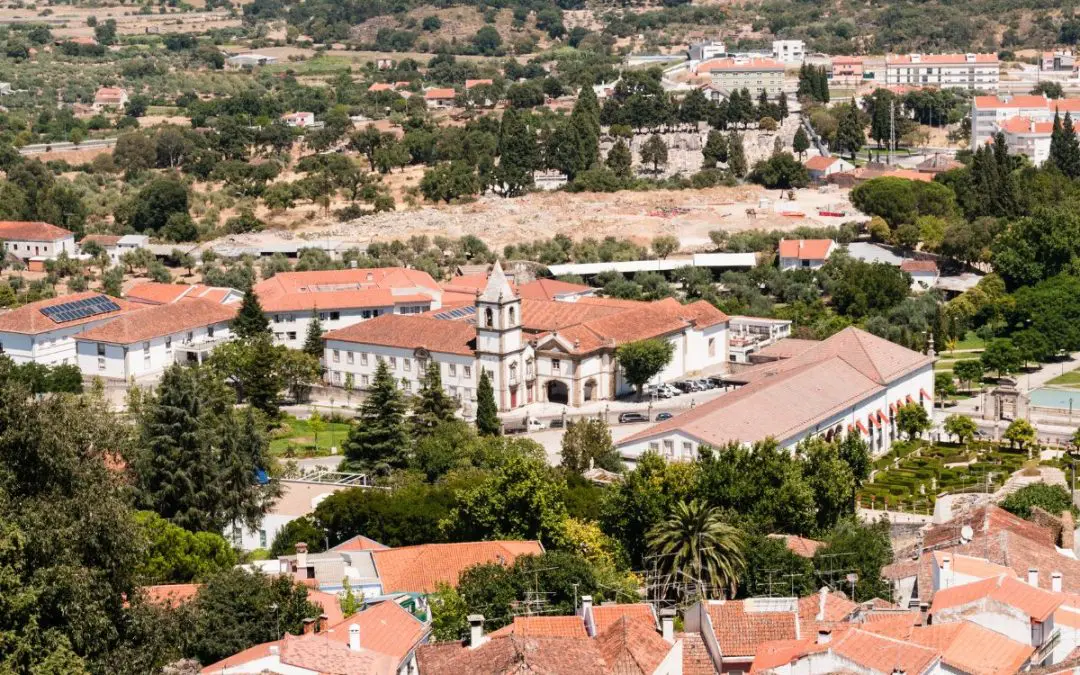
<point x="1001" y="357"/>
<point x="449" y="181"/>
<point x="1054" y="499"/>
<point x="696" y="547"/>
<point x="432" y="407"/>
<point x="487" y="412"/>
<point x="736" y="155"/>
<point x="912" y="419"/>
<point x="862" y="548"/>
<point x="1020" y="433"/>
<point x="859" y="288"/>
<point x="41" y="379"/>
<point x="301" y="529"/>
<point x="850" y="137"/>
<point x="380" y="439"/>
<point x="644" y="359"/>
<point x="619" y="159"/>
<point x="177" y="556"/>
<point x="813" y="83"/>
<point x="1064" y="147"/>
<point x="407" y="515"/>
<point x="969" y="371"/>
<point x="587" y="443"/>
<point x="313" y="344"/>
<point x="831" y="479"/>
<point x="771" y="567"/>
<point x="448" y="614"/>
<point x="654" y="151"/>
<point x="780" y="171"/>
<point x="801" y="143"/>
<point x="152" y="207"/>
<point x="900" y="201"/>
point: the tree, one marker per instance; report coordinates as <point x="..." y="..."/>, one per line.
<point x="449" y="181"/>
<point x="1049" y="89"/>
<point x="1001" y="357"/>
<point x="831" y="479"/>
<point x="912" y="419"/>
<point x="644" y="359"/>
<point x="865" y="549"/>
<point x="620" y="159"/>
<point x="715" y="150"/>
<point x="250" y="319"/>
<point x="151" y="208"/>
<point x="134" y="152"/>
<point x="313" y="344"/>
<point x="380" y="438"/>
<point x="654" y="151"/>
<point x="1020" y="433"/>
<point x="255" y="367"/>
<point x="736" y="155"/>
<point x="780" y="171"/>
<point x="665" y="245"/>
<point x="695" y="546"/>
<point x="850" y="137"/>
<point x="801" y="143"/>
<point x="969" y="371"/>
<point x="448" y="614"/>
<point x="1054" y="499"/>
<point x="587" y="443"/>
<point x="518" y="154"/>
<point x="177" y="556"/>
<point x="242" y="451"/>
<point x="433" y="406"/>
<point x="961" y="426"/>
<point x="769" y="559"/>
<point x="943" y="385"/>
<point x="487" y="412"/>
<point x="487" y="40"/>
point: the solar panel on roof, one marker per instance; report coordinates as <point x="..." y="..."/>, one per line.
<point x="80" y="309"/>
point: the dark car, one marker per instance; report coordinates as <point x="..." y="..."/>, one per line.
<point x="661" y="416"/>
<point x="628" y="417"/>
<point x="556" y="423"/>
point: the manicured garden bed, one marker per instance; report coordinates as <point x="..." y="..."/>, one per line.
<point x="307" y="438"/>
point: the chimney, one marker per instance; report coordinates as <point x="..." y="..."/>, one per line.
<point x="667" y="625"/>
<point x="476" y="631"/>
<point x="824" y="636"/>
<point x="924" y="609"/>
<point x="274" y="650"/>
<point x="1033" y="577"/>
<point x="946" y="563"/>
<point x="1055" y="582"/>
<point x="309" y="626"/>
<point x="1032" y="126"/>
<point x="322" y="624"/>
<point x="823" y="595"/>
<point x="301" y="556"/>
<point x="354" y="637"/>
<point x="586" y="605"/>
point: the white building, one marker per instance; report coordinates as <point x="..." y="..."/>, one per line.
<point x="789" y="51"/>
<point x="852" y="382"/>
<point x="534" y="350"/>
<point x="298" y="499"/>
<point x="44" y="331"/>
<point x="116" y="245"/>
<point x="342" y="298"/>
<point x="703" y="51"/>
<point x="945" y="71"/>
<point x="250" y="60"/>
<point x="1057" y="62"/>
<point x="753" y="74"/>
<point x="820" y="167"/>
<point x="26" y="240"/>
<point x="300" y="120"/>
<point x="750" y="334"/>
<point x="989" y="114"/>
<point x="110" y="98"/>
<point x="924" y="274"/>
<point x="141" y="345"/>
<point x="804" y="254"/>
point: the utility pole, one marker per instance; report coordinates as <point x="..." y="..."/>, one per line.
<point x="892" y="128"/>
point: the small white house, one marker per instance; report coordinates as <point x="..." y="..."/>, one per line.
<point x="143" y="344"/>
<point x="44" y="331"/>
<point x="809" y="254"/>
<point x="789" y="51"/>
<point x="821" y="167"/>
<point x="26" y="240"/>
<point x="300" y="120"/>
<point x="924" y="274"/>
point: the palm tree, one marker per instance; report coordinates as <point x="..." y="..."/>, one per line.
<point x="694" y="543"/>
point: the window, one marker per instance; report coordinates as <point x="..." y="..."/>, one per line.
<point x="100" y="349"/>
<point x="209" y="331"/>
<point x="1" y="347"/>
<point x="406" y="385"/>
<point x="337" y="377"/>
<point x="349" y="357"/>
<point x="291" y="335"/>
<point x="190" y="336"/>
<point x="364" y="380"/>
<point x="277" y="318"/>
<point x="322" y="316"/>
<point x="556" y="365"/>
<point x="101" y="363"/>
<point x="408" y="365"/>
<point x="654" y="446"/>
<point x="468" y="372"/>
<point x="146" y="347"/>
<point x="687" y="448"/>
<point x="393" y="363"/>
<point x="366" y="314"/>
<point x="363" y="358"/>
<point x="452" y="369"/>
<point x="262" y="538"/>
<point x="337" y="356"/>
<point x="712" y="346"/>
<point x="334" y="316"/>
<point x="453" y="391"/>
<point x="669" y="448"/>
<point x="512" y="321"/>
<point x="421" y="365"/>
<point x="168" y="342"/>
<point x="489" y="317"/>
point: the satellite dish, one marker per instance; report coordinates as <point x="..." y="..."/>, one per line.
<point x="966" y="534"/>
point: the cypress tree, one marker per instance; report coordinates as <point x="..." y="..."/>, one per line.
<point x="433" y="406"/>
<point x="263" y="380"/>
<point x="1072" y="148"/>
<point x="487" y="412"/>
<point x="244" y="450"/>
<point x="715" y="150"/>
<point x="801" y="143"/>
<point x="313" y="343"/>
<point x="517" y="154"/>
<point x="250" y="320"/>
<point x="1057" y="144"/>
<point x="736" y="155"/>
<point x="585" y="120"/>
<point x="380" y="438"/>
<point x="781" y="105"/>
<point x="849" y="132"/>
<point x="619" y="159"/>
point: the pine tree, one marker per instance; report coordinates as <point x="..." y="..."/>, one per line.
<point x="715" y="150"/>
<point x="1058" y="153"/>
<point x="849" y="133"/>
<point x="736" y="155"/>
<point x="487" y="412"/>
<point x="263" y="382"/>
<point x="177" y="476"/>
<point x="380" y="438"/>
<point x="585" y="120"/>
<point x="620" y="159"/>
<point x="433" y="406"/>
<point x="313" y="343"/>
<point x="244" y="450"/>
<point x="801" y="143"/>
<point x="517" y="154"/>
<point x="250" y="320"/>
<point x="782" y="106"/>
<point x="1072" y="148"/>
<point x="587" y="104"/>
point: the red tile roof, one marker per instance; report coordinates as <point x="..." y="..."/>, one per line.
<point x="740" y="632"/>
<point x="345" y="289"/>
<point x="469" y="84"/>
<point x="836" y="609"/>
<point x="32" y="231"/>
<point x="896" y="624"/>
<point x="1024" y="125"/>
<point x="800" y="546"/>
<point x="385" y="628"/>
<point x="1037" y="603"/>
<point x="729" y="64"/>
<point x="868" y="650"/>
<point x="29" y="320"/>
<point x="605" y="616"/>
<point x="360" y="543"/>
<point x="970" y="648"/>
<point x="440" y="93"/>
<point x="902" y="59"/>
<point x="105" y="240"/>
<point x="159" y="321"/>
<point x="410" y="332"/>
<point x="805" y="249"/>
<point x="919" y="266"/>
<point x="820" y="163"/>
<point x="631" y="647"/>
<point x="419" y="569"/>
<point x="154" y="293"/>
<point x="1022" y="101"/>
<point x="544" y="626"/>
<point x="696" y="659"/>
<point x="171" y="595"/>
<point x="548" y="289"/>
<point x="333" y="658"/>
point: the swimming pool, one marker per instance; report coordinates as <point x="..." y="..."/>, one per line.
<point x="1063" y="399"/>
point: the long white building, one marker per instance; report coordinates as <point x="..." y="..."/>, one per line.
<point x="44" y="332"/>
<point x="945" y="71"/>
<point x="534" y="350"/>
<point x="852" y="382"/>
<point x="26" y="240"/>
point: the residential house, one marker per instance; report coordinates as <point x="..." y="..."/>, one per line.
<point x="989" y="112"/>
<point x="732" y="630"/>
<point x="298" y="498"/>
<point x="553" y="350"/>
<point x="853" y="382"/>
<point x="110" y="98"/>
<point x="804" y="254"/>
<point x="143" y="346"/>
<point x="440" y="97"/>
<point x="819" y="167"/>
<point x="44" y="331"/>
<point x="36" y="240"/>
<point x="1020" y="611"/>
<point x="300" y="120"/>
<point x="342" y="298"/>
<point x="115" y="245"/>
<point x="924" y="274"/>
<point x="945" y="71"/>
<point x="703" y="51"/>
<point x="1061" y="61"/>
<point x="754" y="74"/>
<point x="846" y="71"/>
<point x="250" y="60"/>
<point x="1024" y="136"/>
<point x="789" y="51"/>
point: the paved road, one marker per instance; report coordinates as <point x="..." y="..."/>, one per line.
<point x="66" y="146"/>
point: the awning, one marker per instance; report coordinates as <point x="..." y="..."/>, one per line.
<point x="873" y="422"/>
<point x="882" y="417"/>
<point x="862" y="427"/>
<point x="892" y="407"/>
<point x="925" y="395"/>
<point x="909" y="399"/>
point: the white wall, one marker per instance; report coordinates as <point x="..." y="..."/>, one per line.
<point x="290" y="328"/>
<point x="28" y="248"/>
<point x="460" y="373"/>
<point x="52" y="348"/>
<point x="145" y="358"/>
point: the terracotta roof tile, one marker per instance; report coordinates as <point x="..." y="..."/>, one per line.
<point x="345" y="289"/>
<point x="919" y="266"/>
<point x="1024" y="125"/>
<point x="32" y="231"/>
<point x="805" y="249"/>
<point x="105" y="240"/>
<point x="154" y="293"/>
<point x="740" y="632"/>
<point x="385" y="628"/>
<point x="1022" y="101"/>
<point x="820" y="162"/>
<point x="605" y="616"/>
<point x="972" y="649"/>
<point x="836" y="609"/>
<point x="696" y="659"/>
<point x="514" y="654"/>
<point x="726" y="64"/>
<point x="900" y="59"/>
<point x="171" y="595"/>
<point x="544" y="626"/>
<point x="800" y="546"/>
<point x="1036" y="602"/>
<point x="898" y="624"/>
<point x="333" y="658"/>
<point x="631" y="647"/>
<point x="419" y="569"/>
<point x="29" y="320"/>
<point x="360" y="543"/>
<point x="440" y="93"/>
<point x="548" y="289"/>
<point x="159" y="321"/>
<point x="410" y="332"/>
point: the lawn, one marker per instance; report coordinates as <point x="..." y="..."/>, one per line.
<point x="1069" y="379"/>
<point x="297" y="438"/>
<point x="899" y="487"/>
<point x="971" y="341"/>
<point x="319" y="65"/>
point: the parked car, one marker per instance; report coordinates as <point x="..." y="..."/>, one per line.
<point x="716" y="381"/>
<point x="628" y="417"/>
<point x="704" y="384"/>
<point x="661" y="416"/>
<point x="670" y="391"/>
<point x="684" y="386"/>
<point x="556" y="423"/>
<point x="525" y="426"/>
